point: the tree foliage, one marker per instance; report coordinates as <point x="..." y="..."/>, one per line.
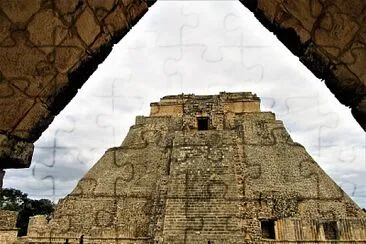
<point x="12" y="199"/>
<point x="16" y="200"/>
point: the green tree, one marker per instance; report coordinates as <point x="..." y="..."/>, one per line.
<point x="12" y="199"/>
<point x="15" y="200"/>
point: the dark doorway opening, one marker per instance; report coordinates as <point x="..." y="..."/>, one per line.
<point x="202" y="123"/>
<point x="268" y="231"/>
<point x="330" y="230"/>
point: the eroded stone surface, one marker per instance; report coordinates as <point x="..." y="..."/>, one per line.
<point x="8" y="230"/>
<point x="13" y="152"/>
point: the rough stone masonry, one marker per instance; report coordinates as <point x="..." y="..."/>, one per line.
<point x="205" y="169"/>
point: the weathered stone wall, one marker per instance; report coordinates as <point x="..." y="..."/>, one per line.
<point x="166" y="110"/>
<point x="293" y="229"/>
<point x="329" y="37"/>
<point x="220" y="108"/>
<point x="118" y="198"/>
<point x="48" y="49"/>
<point x="171" y="183"/>
<point x="8" y="230"/>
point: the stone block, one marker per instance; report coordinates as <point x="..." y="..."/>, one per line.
<point x="352" y="8"/>
<point x="68" y="54"/>
<point x="302" y="10"/>
<point x="19" y="10"/>
<point x="116" y="21"/>
<point x="19" y="67"/>
<point x="349" y="89"/>
<point x="4" y="28"/>
<point x="136" y="10"/>
<point x="8" y="218"/>
<point x="32" y="124"/>
<point x="13" y="106"/>
<point x="67" y="6"/>
<point x="101" y="7"/>
<point x="54" y="87"/>
<point x="358" y="64"/>
<point x="335" y="29"/>
<point x="87" y="26"/>
<point x="103" y="38"/>
<point x="53" y="31"/>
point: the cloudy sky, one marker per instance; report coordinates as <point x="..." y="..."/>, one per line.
<point x="202" y="48"/>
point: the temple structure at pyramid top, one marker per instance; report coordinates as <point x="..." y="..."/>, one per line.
<point x="205" y="169"/>
<point x="201" y="105"/>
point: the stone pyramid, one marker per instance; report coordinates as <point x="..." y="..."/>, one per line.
<point x="204" y="169"/>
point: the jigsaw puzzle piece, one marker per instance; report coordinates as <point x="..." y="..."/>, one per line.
<point x="221" y="23"/>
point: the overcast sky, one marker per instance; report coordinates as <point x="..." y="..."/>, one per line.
<point x="202" y="48"/>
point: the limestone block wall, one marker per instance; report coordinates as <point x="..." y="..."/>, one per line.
<point x="119" y="199"/>
<point x="220" y="109"/>
<point x="329" y="37"/>
<point x="284" y="177"/>
<point x="203" y="197"/>
<point x="168" y="184"/>
<point x="40" y="222"/>
<point x="166" y="110"/>
<point x="293" y="229"/>
<point x="8" y="230"/>
<point x="48" y="49"/>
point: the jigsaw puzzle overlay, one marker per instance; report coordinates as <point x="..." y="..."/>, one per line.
<point x="223" y="48"/>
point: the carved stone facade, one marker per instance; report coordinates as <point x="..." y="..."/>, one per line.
<point x="8" y="230"/>
<point x="205" y="169"/>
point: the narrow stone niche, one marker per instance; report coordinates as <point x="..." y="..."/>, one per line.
<point x="202" y="123"/>
<point x="330" y="230"/>
<point x="268" y="230"/>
